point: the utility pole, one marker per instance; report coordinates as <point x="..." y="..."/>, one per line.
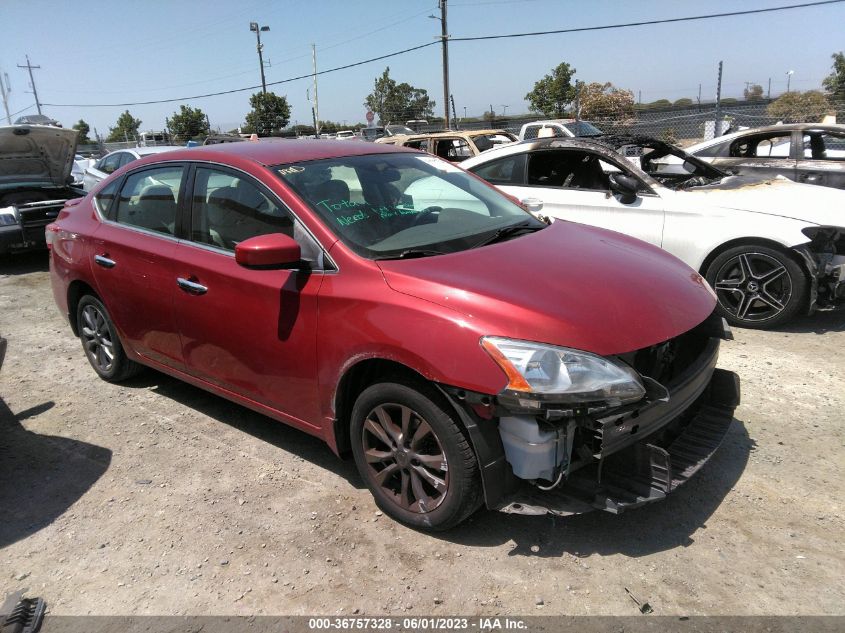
<point x="316" y="103"/>
<point x="5" y="89"/>
<point x="253" y="26"/>
<point x="769" y="91"/>
<point x="444" y="38"/>
<point x="29" y="67"/>
<point x="718" y="124"/>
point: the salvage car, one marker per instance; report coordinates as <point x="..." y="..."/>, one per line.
<point x="463" y="355"/>
<point x="811" y="153"/>
<point x="455" y="146"/>
<point x="35" y="182"/>
<point x="113" y="161"/>
<point x="770" y="248"/>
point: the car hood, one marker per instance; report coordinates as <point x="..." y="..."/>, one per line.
<point x="773" y="196"/>
<point x="36" y="155"/>
<point x="568" y="284"/>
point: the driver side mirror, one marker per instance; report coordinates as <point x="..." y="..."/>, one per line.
<point x="626" y="186"/>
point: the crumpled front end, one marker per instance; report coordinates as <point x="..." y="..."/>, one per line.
<point x="572" y="459"/>
<point x="824" y="257"/>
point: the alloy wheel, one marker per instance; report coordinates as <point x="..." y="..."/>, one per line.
<point x="753" y="287"/>
<point x="405" y="458"/>
<point x="97" y="338"/>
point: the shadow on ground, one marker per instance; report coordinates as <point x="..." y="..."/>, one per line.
<point x="25" y="263"/>
<point x="280" y="435"/>
<point x="41" y="476"/>
<point x="819" y="323"/>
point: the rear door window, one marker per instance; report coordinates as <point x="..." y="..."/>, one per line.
<point x="110" y="163"/>
<point x="824" y="146"/>
<point x="509" y="170"/>
<point x="148" y="199"/>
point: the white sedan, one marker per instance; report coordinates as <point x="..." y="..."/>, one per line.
<point x="113" y="161"/>
<point x="769" y="248"/>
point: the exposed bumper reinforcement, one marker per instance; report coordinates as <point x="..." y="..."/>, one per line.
<point x="647" y="471"/>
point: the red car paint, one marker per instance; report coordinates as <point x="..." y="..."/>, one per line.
<point x="280" y="342"/>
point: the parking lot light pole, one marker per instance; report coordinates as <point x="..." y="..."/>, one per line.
<point x="253" y="26"/>
<point x="789" y="74"/>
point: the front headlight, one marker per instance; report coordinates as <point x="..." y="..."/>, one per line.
<point x="573" y="375"/>
<point x="8" y="215"/>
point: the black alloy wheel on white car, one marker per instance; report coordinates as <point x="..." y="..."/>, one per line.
<point x="757" y="286"/>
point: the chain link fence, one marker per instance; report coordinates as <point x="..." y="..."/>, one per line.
<point x="681" y="125"/>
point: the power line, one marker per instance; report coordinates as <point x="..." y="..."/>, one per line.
<point x="647" y="22"/>
<point x="454" y="39"/>
<point x="227" y="92"/>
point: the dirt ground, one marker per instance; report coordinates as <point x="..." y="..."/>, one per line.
<point x="154" y="497"/>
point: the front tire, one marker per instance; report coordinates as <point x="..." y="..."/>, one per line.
<point x="100" y="342"/>
<point x="757" y="286"/>
<point x="413" y="456"/>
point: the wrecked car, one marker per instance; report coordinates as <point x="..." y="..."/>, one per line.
<point x="812" y="153"/>
<point x="454" y="146"/>
<point x="770" y="248"/>
<point x="35" y="175"/>
<point x="464" y="355"/>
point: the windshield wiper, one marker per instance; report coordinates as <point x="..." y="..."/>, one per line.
<point x="508" y="231"/>
<point x="413" y="252"/>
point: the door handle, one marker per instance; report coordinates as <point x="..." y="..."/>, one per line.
<point x="191" y="286"/>
<point x="105" y="262"/>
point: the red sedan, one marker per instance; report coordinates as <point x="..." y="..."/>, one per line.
<point x="406" y="312"/>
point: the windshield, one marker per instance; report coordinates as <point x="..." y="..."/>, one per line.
<point x="387" y="206"/>
<point x="582" y="128"/>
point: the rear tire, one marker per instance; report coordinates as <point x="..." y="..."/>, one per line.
<point x="414" y="457"/>
<point x="757" y="286"/>
<point x="100" y="342"/>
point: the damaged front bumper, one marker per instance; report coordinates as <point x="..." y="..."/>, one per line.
<point x="609" y="459"/>
<point x="824" y="258"/>
<point x="647" y="470"/>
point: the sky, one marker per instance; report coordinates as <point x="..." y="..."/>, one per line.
<point x="125" y="51"/>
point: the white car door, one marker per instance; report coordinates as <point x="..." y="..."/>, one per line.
<point x="574" y="184"/>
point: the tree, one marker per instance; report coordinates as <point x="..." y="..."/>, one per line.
<point x="834" y="84"/>
<point x="270" y="113"/>
<point x="753" y="92"/>
<point x="125" y="129"/>
<point x="553" y="92"/>
<point x="84" y="129"/>
<point x="686" y="101"/>
<point x="188" y="123"/>
<point x="606" y="102"/>
<point x="800" y="107"/>
<point x="660" y="103"/>
<point x="398" y="102"/>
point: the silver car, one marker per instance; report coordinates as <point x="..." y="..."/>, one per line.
<point x="110" y="163"/>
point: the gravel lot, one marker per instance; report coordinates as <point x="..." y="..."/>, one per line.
<point x="153" y="497"/>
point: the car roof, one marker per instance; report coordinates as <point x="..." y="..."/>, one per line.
<point x="268" y="152"/>
<point x="155" y="149"/>
<point x="453" y="133"/>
